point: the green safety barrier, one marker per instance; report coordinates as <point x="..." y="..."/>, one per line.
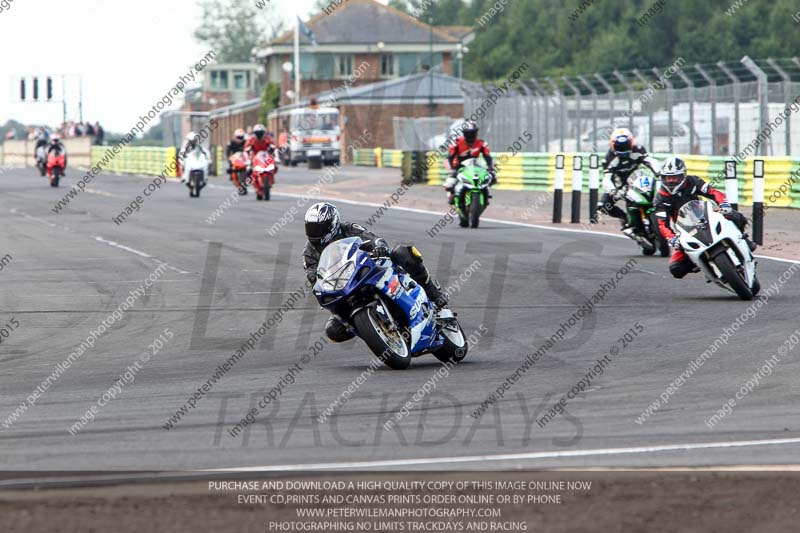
<point x="392" y="158"/>
<point x="364" y="157"/>
<point x="136" y="160"/>
<point x="536" y="171"/>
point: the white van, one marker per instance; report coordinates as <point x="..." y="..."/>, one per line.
<point x="312" y="131"/>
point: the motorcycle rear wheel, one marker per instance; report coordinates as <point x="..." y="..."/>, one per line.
<point x="389" y="346"/>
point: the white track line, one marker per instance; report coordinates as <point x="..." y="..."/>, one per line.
<point x="507" y="457"/>
<point x="498" y="221"/>
<point x="138" y="252"/>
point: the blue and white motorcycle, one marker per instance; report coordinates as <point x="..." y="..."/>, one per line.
<point x="385" y="307"/>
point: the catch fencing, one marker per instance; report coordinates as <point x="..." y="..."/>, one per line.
<point x="709" y="109"/>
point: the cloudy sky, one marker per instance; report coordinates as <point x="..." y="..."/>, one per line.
<point x="129" y="53"/>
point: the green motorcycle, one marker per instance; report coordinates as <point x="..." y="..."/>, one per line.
<point x="642" y="223"/>
<point x="472" y="192"/>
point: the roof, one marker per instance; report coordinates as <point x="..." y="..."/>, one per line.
<point x="456" y="32"/>
<point x="346" y="23"/>
<point x="412" y="89"/>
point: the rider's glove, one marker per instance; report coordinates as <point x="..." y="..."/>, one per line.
<point x="493" y="174"/>
<point x="618" y="194"/>
<point x="675" y="242"/>
<point x="725" y="208"/>
<point x="380" y="251"/>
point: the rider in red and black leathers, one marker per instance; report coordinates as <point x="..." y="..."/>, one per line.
<point x="676" y="190"/>
<point x="468" y="146"/>
<point x="259" y="142"/>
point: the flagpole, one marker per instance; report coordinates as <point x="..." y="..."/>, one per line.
<point x="297" y="59"/>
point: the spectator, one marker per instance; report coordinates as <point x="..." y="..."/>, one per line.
<point x="99" y="133"/>
<point x="90" y="129"/>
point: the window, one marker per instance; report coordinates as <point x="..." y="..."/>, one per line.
<point x="240" y="79"/>
<point x="344" y="65"/>
<point x="219" y="79"/>
<point x="317" y="66"/>
<point x="387" y="66"/>
<point x="411" y="63"/>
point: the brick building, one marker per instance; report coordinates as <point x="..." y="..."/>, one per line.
<point x="362" y="42"/>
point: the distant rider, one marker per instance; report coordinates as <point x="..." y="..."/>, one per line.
<point x="192" y="143"/>
<point x="259" y="142"/>
<point x="323" y="227"/>
<point x="467" y="146"/>
<point x="623" y="158"/>
<point x="41" y="138"/>
<point x="235" y="145"/>
<point x="58" y="147"/>
<point x="676" y="190"/>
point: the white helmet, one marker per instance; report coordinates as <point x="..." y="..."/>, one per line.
<point x="672" y="174"/>
<point x="322" y="223"/>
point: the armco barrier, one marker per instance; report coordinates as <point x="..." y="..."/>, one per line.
<point x="136" y="160"/>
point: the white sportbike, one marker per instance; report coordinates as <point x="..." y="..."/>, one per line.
<point x="196" y="166"/>
<point x="717" y="247"/>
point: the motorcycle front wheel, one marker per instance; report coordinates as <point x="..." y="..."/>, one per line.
<point x="475" y="209"/>
<point x="733" y="277"/>
<point x="382" y="336"/>
<point x="455" y="345"/>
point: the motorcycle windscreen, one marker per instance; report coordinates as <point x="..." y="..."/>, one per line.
<point x="336" y="264"/>
<point x="693" y="219"/>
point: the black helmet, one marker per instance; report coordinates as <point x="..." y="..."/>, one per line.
<point x="672" y="174"/>
<point x="470" y="130"/>
<point x="322" y="223"/>
<point x="259" y="131"/>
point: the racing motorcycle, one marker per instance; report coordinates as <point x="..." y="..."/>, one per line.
<point x="56" y="162"/>
<point x="196" y="165"/>
<point x="472" y="192"/>
<point x="263" y="174"/>
<point x="387" y="309"/>
<point x="41" y="160"/>
<point x="717" y="247"/>
<point x="643" y="226"/>
<point x="239" y="164"/>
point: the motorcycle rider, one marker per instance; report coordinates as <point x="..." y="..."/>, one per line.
<point x="41" y="137"/>
<point x="259" y="142"/>
<point x="623" y="158"/>
<point x="678" y="188"/>
<point x="192" y="143"/>
<point x="235" y="145"/>
<point x="467" y="146"/>
<point x="323" y="226"/>
<point x="56" y="146"/>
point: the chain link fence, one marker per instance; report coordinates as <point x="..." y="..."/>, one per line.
<point x="714" y="109"/>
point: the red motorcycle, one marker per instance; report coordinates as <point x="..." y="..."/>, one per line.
<point x="263" y="175"/>
<point x="239" y="164"/>
<point x="56" y="161"/>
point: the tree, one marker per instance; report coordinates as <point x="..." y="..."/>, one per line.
<point x="270" y="99"/>
<point x="233" y="29"/>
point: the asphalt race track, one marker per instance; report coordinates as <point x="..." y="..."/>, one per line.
<point x="70" y="271"/>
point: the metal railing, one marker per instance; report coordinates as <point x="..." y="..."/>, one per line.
<point x="708" y="109"/>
